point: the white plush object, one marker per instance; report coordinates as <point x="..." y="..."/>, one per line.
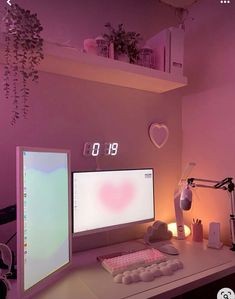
<point x="166" y="270"/>
<point x="146" y="276"/>
<point x="179" y="264"/>
<point x="127" y="272"/>
<point x="156" y="272"/>
<point x="126" y="279"/>
<point x="157" y="232"/>
<point x="149" y="273"/>
<point x="118" y="278"/>
<point x="135" y="277"/>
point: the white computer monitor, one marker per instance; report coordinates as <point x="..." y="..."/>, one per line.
<point x="43" y="217"/>
<point x="104" y="200"/>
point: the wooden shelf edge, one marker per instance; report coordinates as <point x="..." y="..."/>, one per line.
<point x="70" y="62"/>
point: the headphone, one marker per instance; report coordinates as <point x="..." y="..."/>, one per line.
<point x="6" y="255"/>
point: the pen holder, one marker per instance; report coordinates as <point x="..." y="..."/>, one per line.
<point x="197" y="232"/>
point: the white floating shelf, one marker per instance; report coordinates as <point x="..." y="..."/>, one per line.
<point x="72" y="63"/>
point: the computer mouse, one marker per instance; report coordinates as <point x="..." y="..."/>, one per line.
<point x="169" y="249"/>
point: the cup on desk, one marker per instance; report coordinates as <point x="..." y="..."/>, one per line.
<point x="197" y="231"/>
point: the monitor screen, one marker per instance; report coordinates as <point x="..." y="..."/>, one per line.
<point x="110" y="199"/>
<point x="43" y="215"/>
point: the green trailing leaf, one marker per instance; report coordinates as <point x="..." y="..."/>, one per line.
<point x="23" y="53"/>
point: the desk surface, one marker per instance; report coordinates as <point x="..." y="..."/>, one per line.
<point x="88" y="280"/>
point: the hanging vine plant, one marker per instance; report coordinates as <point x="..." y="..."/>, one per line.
<point x="23" y="53"/>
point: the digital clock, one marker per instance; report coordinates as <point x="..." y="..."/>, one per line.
<point x="95" y="149"/>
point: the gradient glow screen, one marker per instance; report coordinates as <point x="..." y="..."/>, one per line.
<point x="109" y="199"/>
<point x="45" y="241"/>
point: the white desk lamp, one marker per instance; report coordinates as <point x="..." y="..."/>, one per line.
<point x="178" y="211"/>
<point x="183" y="201"/>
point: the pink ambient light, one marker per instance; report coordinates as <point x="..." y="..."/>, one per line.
<point x="116" y="198"/>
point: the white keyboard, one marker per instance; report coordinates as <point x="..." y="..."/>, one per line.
<point x="130" y="261"/>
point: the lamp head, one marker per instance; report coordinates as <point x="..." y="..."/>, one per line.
<point x="186" y="198"/>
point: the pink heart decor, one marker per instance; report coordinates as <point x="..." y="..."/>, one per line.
<point x="159" y="134"/>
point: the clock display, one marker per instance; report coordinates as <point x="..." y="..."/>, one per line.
<point x="95" y="148"/>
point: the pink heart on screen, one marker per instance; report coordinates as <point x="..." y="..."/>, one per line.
<point x="116" y="197"/>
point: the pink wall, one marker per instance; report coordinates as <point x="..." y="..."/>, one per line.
<point x="66" y="112"/>
<point x="75" y="20"/>
<point x="208" y="107"/>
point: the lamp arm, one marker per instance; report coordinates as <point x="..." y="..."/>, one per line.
<point x="193" y="185"/>
<point x="218" y="184"/>
<point x="227" y="185"/>
<point x="232" y="197"/>
<point x="202" y="180"/>
<point x="232" y="218"/>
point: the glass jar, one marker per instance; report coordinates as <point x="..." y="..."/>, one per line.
<point x="102" y="47"/>
<point x="147" y="58"/>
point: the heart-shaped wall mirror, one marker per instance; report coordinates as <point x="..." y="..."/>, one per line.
<point x="159" y="134"/>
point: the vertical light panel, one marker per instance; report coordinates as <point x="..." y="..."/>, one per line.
<point x="43" y="206"/>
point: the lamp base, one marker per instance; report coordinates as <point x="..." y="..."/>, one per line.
<point x="233" y="247"/>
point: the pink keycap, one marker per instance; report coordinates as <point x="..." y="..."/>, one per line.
<point x="133" y="260"/>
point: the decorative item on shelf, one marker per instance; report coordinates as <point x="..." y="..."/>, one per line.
<point x="157" y="232"/>
<point x="23" y="53"/>
<point x="147" y="58"/>
<point x="111" y="50"/>
<point x="124" y="42"/>
<point x="90" y="46"/>
<point x="168" y="47"/>
<point x="158" y="134"/>
<point x="102" y="47"/>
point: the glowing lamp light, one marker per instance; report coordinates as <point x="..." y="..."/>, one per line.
<point x="173" y="228"/>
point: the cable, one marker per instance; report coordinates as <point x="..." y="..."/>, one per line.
<point x="10" y="238"/>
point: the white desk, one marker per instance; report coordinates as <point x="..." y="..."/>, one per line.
<point x="88" y="280"/>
